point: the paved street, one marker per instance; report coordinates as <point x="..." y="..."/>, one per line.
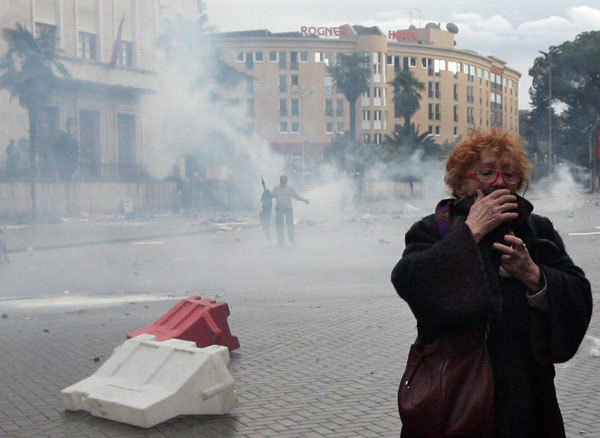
<point x="323" y="335"/>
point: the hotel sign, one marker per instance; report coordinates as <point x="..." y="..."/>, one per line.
<point x="402" y="35"/>
<point x="323" y="31"/>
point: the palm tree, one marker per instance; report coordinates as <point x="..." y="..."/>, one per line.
<point x="406" y="96"/>
<point x="28" y="73"/>
<point x="351" y="78"/>
<point x="403" y="143"/>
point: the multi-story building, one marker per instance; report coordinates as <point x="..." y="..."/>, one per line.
<point x="293" y="103"/>
<point x="100" y="103"/>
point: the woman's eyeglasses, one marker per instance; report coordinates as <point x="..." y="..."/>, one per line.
<point x="490" y="175"/>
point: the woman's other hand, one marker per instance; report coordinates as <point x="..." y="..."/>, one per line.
<point x="490" y="211"/>
<point x="517" y="262"/>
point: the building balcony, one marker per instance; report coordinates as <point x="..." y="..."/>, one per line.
<point x="102" y="74"/>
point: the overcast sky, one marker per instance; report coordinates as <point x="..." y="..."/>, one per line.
<point x="513" y="31"/>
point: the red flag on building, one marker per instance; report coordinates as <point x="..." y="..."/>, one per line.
<point x="117" y="46"/>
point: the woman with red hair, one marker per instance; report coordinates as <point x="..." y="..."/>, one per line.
<point x="484" y="261"/>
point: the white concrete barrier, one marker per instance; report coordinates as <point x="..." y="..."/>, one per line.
<point x="146" y="382"/>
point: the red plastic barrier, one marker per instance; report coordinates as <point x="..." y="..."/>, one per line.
<point x="197" y="319"/>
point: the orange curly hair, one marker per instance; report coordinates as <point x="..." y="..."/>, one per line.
<point x="470" y="150"/>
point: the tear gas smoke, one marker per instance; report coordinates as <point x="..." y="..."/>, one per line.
<point x="189" y="116"/>
<point x="557" y="192"/>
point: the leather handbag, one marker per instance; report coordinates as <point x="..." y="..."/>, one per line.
<point x="447" y="389"/>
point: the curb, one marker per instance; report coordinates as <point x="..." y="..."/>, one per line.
<point x="101" y="242"/>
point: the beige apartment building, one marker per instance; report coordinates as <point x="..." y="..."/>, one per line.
<point x="293" y="103"/>
<point x="100" y="103"/>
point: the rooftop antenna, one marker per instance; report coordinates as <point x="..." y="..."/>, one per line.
<point x="410" y="14"/>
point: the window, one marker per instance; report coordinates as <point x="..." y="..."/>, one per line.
<point x="456" y="131"/>
<point x="438" y="93"/>
<point x="303" y="56"/>
<point x="272" y="56"/>
<point x="295" y="127"/>
<point x="438" y="115"/>
<point x="47" y="28"/>
<point x="470" y="96"/>
<point x="430" y="111"/>
<point x="282" y="60"/>
<point x="413" y="61"/>
<point x="282" y="83"/>
<point x="455" y="91"/>
<point x="366" y="115"/>
<point x="239" y="57"/>
<point x="324" y="57"/>
<point x="250" y="107"/>
<point x="339" y="109"/>
<point x="328" y="59"/>
<point x="390" y="60"/>
<point x="126" y="144"/>
<point x="329" y="127"/>
<point x="328" y="107"/>
<point x="377" y="115"/>
<point x="89" y="141"/>
<point x="294" y="61"/>
<point x="377" y="138"/>
<point x="456" y="113"/>
<point x="366" y="138"/>
<point x="87" y="45"/>
<point x="430" y="129"/>
<point x="430" y="67"/>
<point x="437" y="130"/>
<point x="295" y="108"/>
<point x="339" y="128"/>
<point x="294" y="80"/>
<point x="258" y="56"/>
<point x="283" y="108"/>
<point x="452" y="67"/>
<point x="397" y="64"/>
<point x="283" y="127"/>
<point x="126" y="54"/>
<point x="328" y="85"/>
<point x="376" y="63"/>
<point x="470" y="116"/>
<point x="430" y="89"/>
<point x="249" y="61"/>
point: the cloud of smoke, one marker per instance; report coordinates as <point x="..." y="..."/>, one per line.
<point x="192" y="116"/>
<point x="557" y="192"/>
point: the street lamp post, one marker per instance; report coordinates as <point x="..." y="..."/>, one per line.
<point x="593" y="140"/>
<point x="549" y="57"/>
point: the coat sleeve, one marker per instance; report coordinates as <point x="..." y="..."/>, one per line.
<point x="444" y="281"/>
<point x="557" y="334"/>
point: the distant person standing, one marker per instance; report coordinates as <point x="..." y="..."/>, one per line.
<point x="283" y="194"/>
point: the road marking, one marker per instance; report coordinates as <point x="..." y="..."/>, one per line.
<point x="351" y="286"/>
<point x="148" y="242"/>
<point x="592" y="233"/>
<point x="82" y="300"/>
